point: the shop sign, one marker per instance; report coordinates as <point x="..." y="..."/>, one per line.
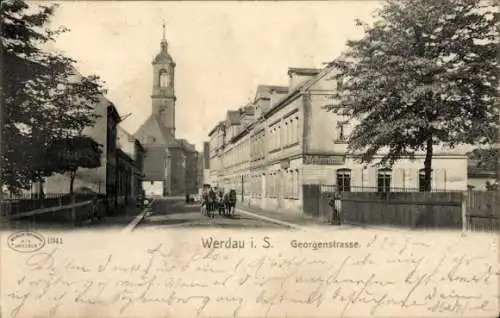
<point x="324" y="160"/>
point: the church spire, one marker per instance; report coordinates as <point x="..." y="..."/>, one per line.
<point x="163" y="39"/>
<point x="163" y="56"/>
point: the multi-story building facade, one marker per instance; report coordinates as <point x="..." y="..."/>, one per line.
<point x="101" y="180"/>
<point x="285" y="138"/>
<point x="130" y="161"/>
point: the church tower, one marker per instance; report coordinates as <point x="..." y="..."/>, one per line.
<point x="163" y="97"/>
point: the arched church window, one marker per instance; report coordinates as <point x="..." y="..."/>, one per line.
<point x="164" y="78"/>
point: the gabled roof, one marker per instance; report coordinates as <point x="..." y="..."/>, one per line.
<point x="168" y="139"/>
<point x="75" y="76"/>
<point x="114" y="112"/>
<point x="130" y="137"/>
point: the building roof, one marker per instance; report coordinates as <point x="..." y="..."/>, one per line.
<point x="475" y="171"/>
<point x="279" y="89"/>
<point x="187" y="145"/>
<point x="304" y="70"/>
<point x="114" y="112"/>
<point x="169" y="139"/>
<point x="301" y="87"/>
<point x="233" y="116"/>
<point x="163" y="56"/>
<point x="131" y="138"/>
<point x="264" y="91"/>
<point x="75" y="76"/>
<point x="247" y="110"/>
<point x="217" y="126"/>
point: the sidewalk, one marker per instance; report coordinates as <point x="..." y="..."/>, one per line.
<point x="121" y="219"/>
<point x="303" y="220"/>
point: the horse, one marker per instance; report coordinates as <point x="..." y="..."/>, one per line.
<point x="208" y="204"/>
<point x="212" y="202"/>
<point x="230" y="202"/>
<point x="220" y="202"/>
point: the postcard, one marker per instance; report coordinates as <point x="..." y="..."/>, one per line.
<point x="249" y="159"/>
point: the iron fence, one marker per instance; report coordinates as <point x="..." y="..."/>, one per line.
<point x="21" y="203"/>
<point x="330" y="189"/>
<point x="407" y="207"/>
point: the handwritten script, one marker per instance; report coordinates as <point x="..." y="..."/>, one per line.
<point x="170" y="276"/>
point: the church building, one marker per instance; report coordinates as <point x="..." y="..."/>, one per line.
<point x="168" y="161"/>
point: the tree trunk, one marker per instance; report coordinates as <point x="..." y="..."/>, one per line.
<point x="72" y="175"/>
<point x="497" y="149"/>
<point x="428" y="165"/>
<point x="42" y="191"/>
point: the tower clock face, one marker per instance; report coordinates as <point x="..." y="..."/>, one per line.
<point x="164" y="79"/>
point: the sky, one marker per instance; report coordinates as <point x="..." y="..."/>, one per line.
<point x="223" y="50"/>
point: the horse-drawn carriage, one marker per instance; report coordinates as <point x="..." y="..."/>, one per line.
<point x="216" y="199"/>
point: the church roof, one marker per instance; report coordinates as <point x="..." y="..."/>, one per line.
<point x="163" y="56"/>
<point x="168" y="138"/>
<point x="187" y="145"/>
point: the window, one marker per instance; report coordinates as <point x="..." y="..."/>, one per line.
<point x="275" y="185"/>
<point x="164" y="78"/>
<point x="279" y="137"/>
<point x="384" y="180"/>
<point x="342" y="131"/>
<point x="295" y="183"/>
<point x="344" y="180"/>
<point x="260" y="180"/>
<point x="287" y="134"/>
<point x="421" y="180"/>
<point x="296" y="129"/>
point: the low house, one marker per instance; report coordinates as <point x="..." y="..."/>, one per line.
<point x="130" y="162"/>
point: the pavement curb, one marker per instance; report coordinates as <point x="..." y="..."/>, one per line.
<point x="138" y="219"/>
<point x="284" y="223"/>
